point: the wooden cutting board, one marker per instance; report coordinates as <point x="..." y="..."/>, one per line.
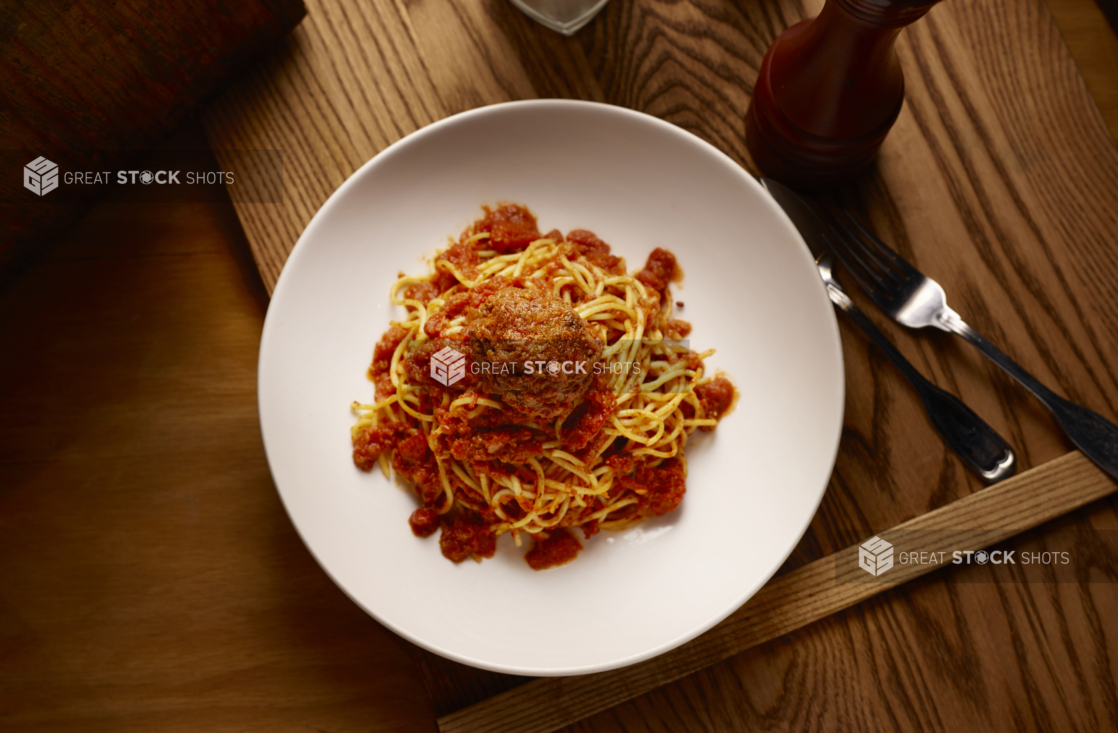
<point x="999" y="179"/>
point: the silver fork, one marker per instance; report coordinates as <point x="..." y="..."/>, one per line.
<point x="978" y="444"/>
<point x="916" y="301"/>
<point x="981" y="448"/>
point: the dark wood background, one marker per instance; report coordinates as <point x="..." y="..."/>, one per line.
<point x="93" y="86"/>
<point x="149" y="578"/>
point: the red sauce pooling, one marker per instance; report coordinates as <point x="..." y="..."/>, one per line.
<point x="414" y="461"/>
<point x="462" y="539"/>
<point x="559" y="548"/>
<point x="368" y="446"/>
<point x="659" y="270"/>
<point x="382" y="360"/>
<point x="586" y="420"/>
<point x="423" y="522"/>
<point x="660" y="489"/>
<point x="716" y="397"/>
<point x="511" y="227"/>
<point x="596" y="251"/>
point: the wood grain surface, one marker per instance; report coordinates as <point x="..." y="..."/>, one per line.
<point x="149" y="579"/>
<point x="353" y="79"/>
<point x="802" y="596"/>
<point x="143" y="66"/>
<point x="975" y="183"/>
<point x="1089" y="28"/>
<point x="1000" y="179"/>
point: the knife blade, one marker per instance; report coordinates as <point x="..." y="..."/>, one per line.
<point x="983" y="450"/>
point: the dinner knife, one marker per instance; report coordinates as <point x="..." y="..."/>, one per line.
<point x="978" y="444"/>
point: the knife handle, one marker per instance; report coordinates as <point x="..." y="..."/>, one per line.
<point x="1094" y="435"/>
<point x="979" y="445"/>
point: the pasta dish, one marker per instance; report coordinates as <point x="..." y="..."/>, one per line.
<point x="534" y="386"/>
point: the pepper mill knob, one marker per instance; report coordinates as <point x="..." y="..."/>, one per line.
<point x="829" y="90"/>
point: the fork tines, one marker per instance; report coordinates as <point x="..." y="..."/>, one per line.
<point x="876" y="267"/>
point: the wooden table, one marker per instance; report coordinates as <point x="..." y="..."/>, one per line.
<point x="150" y="580"/>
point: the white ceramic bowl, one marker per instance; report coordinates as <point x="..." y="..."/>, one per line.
<point x="750" y="290"/>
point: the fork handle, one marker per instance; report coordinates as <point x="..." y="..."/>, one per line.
<point x="983" y="450"/>
<point x="1092" y="433"/>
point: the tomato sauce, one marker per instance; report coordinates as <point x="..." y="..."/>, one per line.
<point x="513" y="320"/>
<point x="511" y="228"/>
<point x="424" y="522"/>
<point x="368" y="446"/>
<point x="716" y="397"/>
<point x="379" y="370"/>
<point x="506" y="443"/>
<point x="463" y="538"/>
<point x="596" y="251"/>
<point x="414" y="461"/>
<point x="587" y="419"/>
<point x="659" y="270"/>
<point x="660" y="489"/>
<point x="558" y="548"/>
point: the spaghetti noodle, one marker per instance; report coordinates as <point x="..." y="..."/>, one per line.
<point x="534" y="386"/>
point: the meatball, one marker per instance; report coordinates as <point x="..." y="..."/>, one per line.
<point x="532" y="351"/>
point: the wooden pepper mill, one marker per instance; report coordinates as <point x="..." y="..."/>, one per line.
<point x="828" y="92"/>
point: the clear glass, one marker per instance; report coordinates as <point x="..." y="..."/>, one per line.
<point x="565" y="16"/>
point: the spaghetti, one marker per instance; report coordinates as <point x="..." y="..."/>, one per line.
<point x="535" y="386"/>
